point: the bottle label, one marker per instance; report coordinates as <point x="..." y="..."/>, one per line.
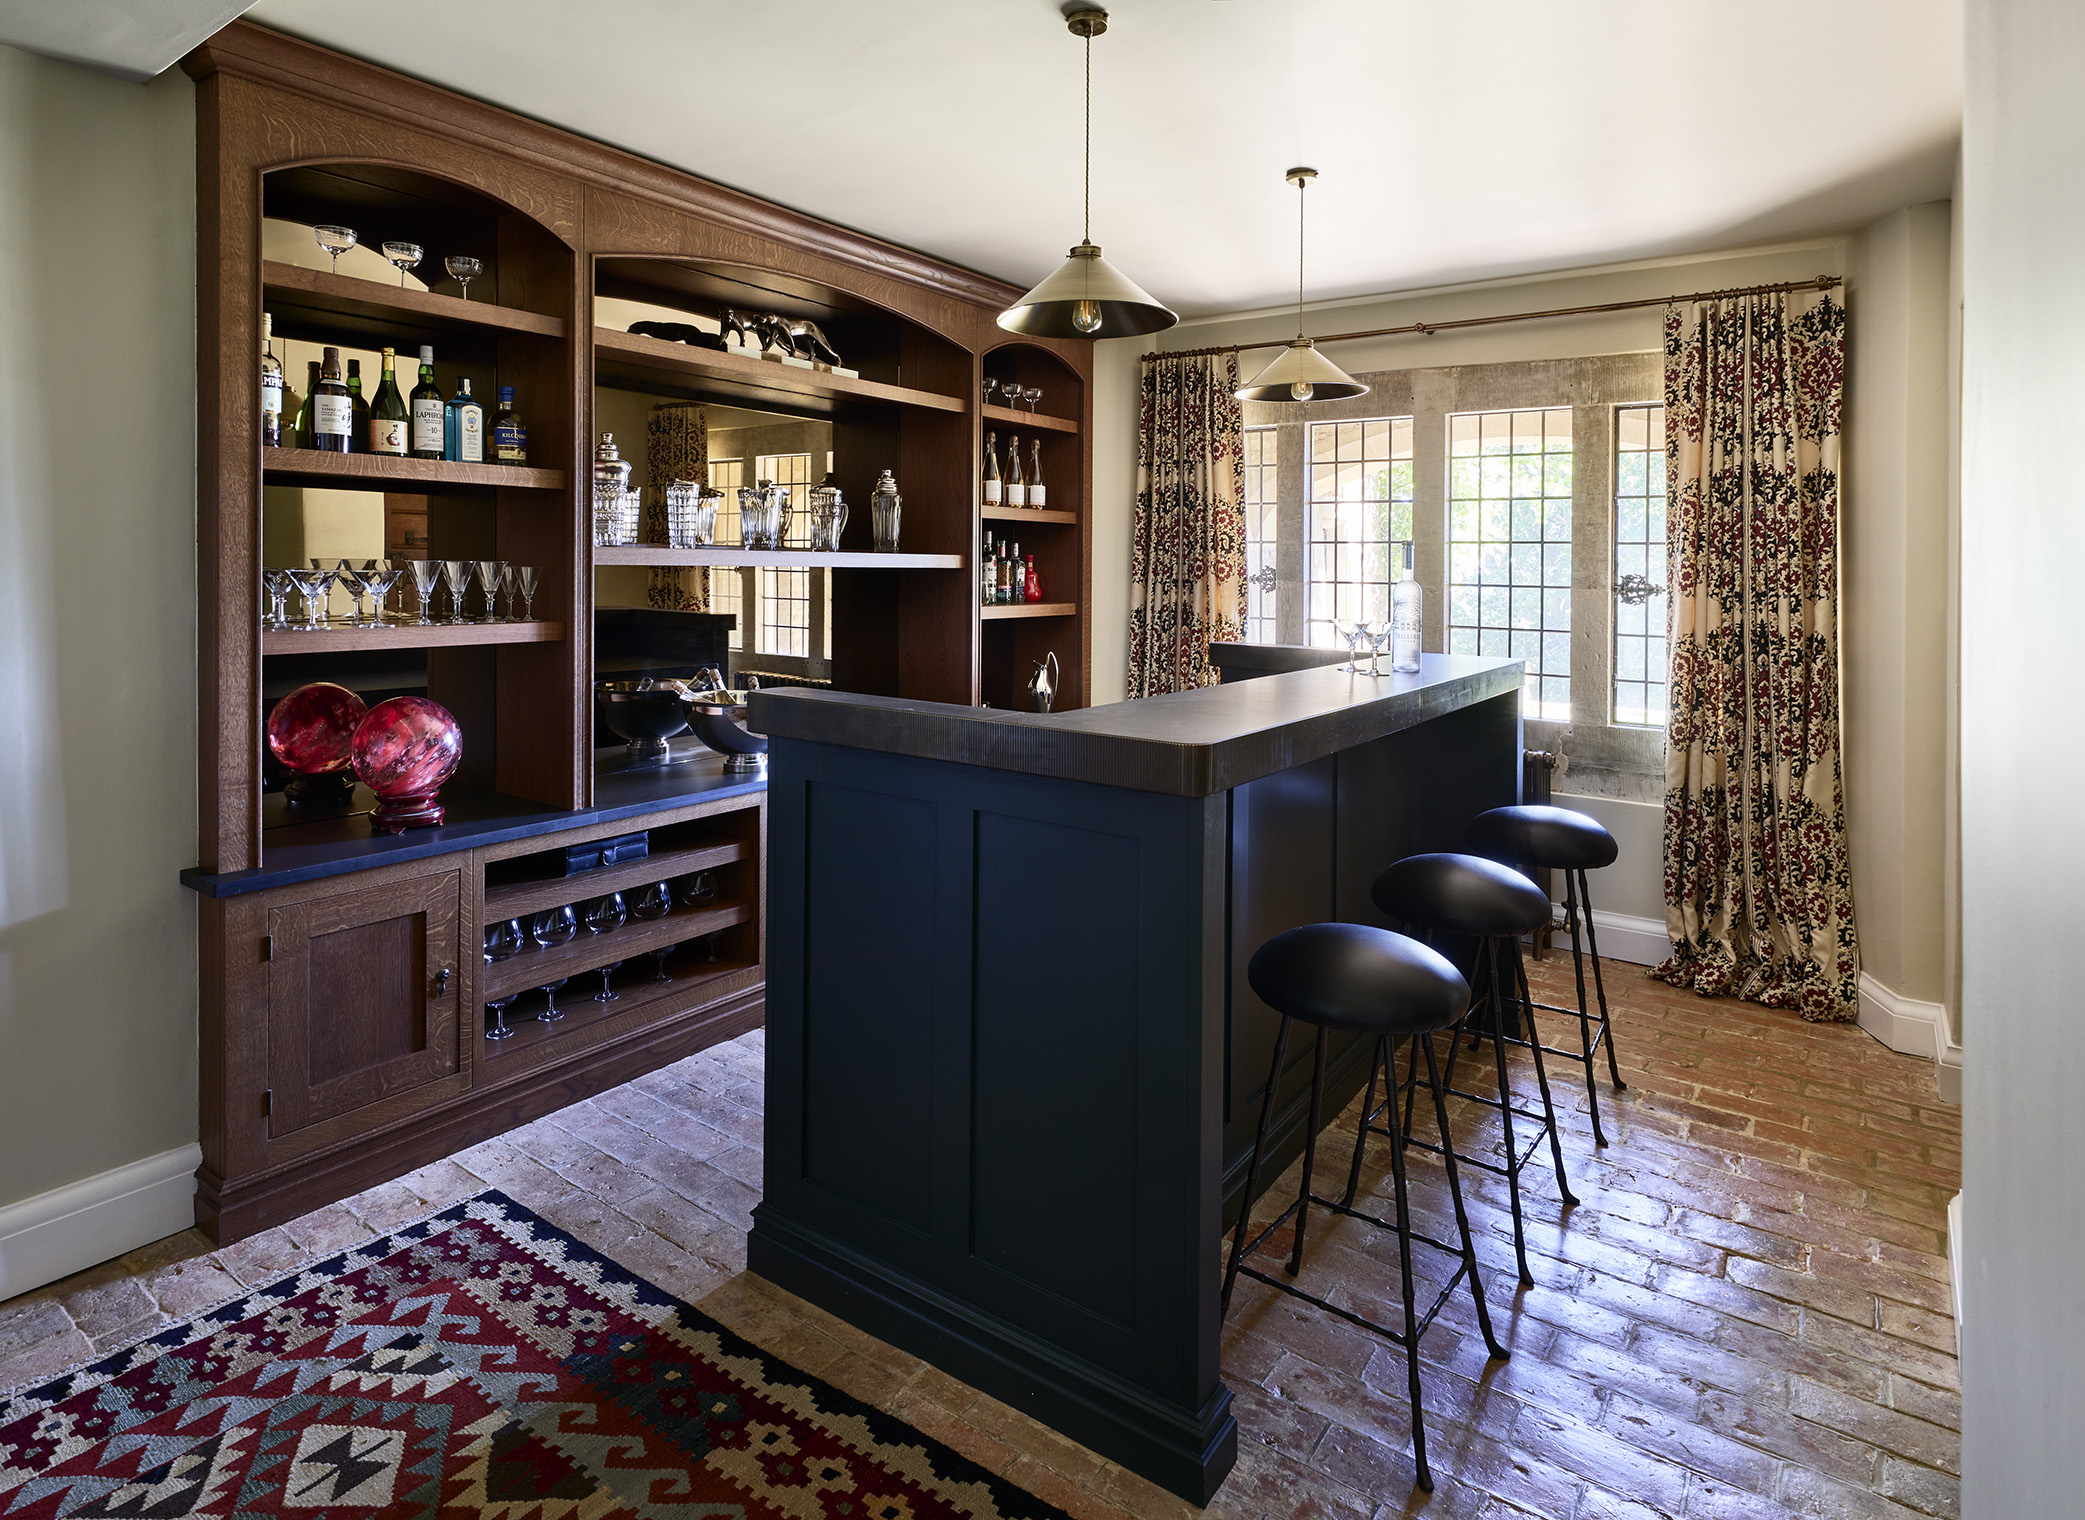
<point x="1036" y="495"/>
<point x="271" y="395"/>
<point x="1017" y="496"/>
<point x="427" y="427"/>
<point x="386" y="435"/>
<point x="992" y="493"/>
<point x="470" y="431"/>
<point x="332" y="416"/>
<point x="509" y="444"/>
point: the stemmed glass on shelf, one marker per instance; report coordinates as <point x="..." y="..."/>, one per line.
<point x="608" y="994"/>
<point x="606" y="914"/>
<point x="1378" y="636"/>
<point x="335" y="240"/>
<point x="405" y="256"/>
<point x="991" y="386"/>
<point x="503" y="941"/>
<point x="277" y="585"/>
<point x="649" y="903"/>
<point x="425" y="573"/>
<point x="463" y="269"/>
<point x="1353" y="630"/>
<point x="380" y="577"/>
<point x="525" y="583"/>
<point x="351" y="582"/>
<point x="1031" y="395"/>
<point x="553" y="927"/>
<point x="457" y="574"/>
<point x="314" y="585"/>
<point x="499" y="1029"/>
<point x="489" y="585"/>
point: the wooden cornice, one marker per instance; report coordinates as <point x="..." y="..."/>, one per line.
<point x="249" y="51"/>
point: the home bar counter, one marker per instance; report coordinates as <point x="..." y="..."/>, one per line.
<point x="1013" y="1063"/>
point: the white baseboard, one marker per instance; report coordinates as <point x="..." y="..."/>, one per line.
<point x="1954" y="1260"/>
<point x="84" y="1223"/>
<point x="1902" y="1023"/>
<point x="1641" y="941"/>
<point x="1950" y="1063"/>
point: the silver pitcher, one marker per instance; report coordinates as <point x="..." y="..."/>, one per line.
<point x="763" y="515"/>
<point x="1042" y="686"/>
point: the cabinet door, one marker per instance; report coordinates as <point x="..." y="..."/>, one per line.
<point x="363" y="993"/>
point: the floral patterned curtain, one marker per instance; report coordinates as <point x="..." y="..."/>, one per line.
<point x="1758" y="892"/>
<point x="1187" y="557"/>
<point x="677" y="448"/>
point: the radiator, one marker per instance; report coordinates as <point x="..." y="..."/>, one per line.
<point x="1537" y="767"/>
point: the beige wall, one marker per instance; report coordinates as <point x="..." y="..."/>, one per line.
<point x="97" y="621"/>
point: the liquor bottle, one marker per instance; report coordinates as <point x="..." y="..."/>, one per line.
<point x="1031" y="586"/>
<point x="509" y="437"/>
<point x="271" y="387"/>
<point x="993" y="493"/>
<point x="429" y="414"/>
<point x="1036" y="498"/>
<point x="387" y="414"/>
<point x="306" y="438"/>
<point x="359" y="443"/>
<point x="1407" y="614"/>
<point x="1016" y="487"/>
<point x="463" y="426"/>
<point x="1007" y="593"/>
<point x="987" y="578"/>
<point x="999" y="574"/>
<point x="332" y="408"/>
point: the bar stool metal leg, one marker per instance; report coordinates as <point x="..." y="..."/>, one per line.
<point x="1310" y="1150"/>
<point x="1614" y="1070"/>
<point x="1462" y="1221"/>
<point x="1252" y="1169"/>
<point x="1585" y="1023"/>
<point x="1404" y="1264"/>
<point x="1527" y="1002"/>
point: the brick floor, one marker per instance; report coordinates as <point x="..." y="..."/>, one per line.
<point x="1746" y="1317"/>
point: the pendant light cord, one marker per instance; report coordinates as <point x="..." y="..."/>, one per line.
<point x="1301" y="186"/>
<point x="1086" y="234"/>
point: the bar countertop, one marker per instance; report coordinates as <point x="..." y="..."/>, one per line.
<point x="1186" y="744"/>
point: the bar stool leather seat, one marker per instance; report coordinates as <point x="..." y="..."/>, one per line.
<point x="1352" y="976"/>
<point x="1461" y="894"/>
<point x="1542" y="836"/>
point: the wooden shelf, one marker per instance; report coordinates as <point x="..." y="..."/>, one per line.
<point x="518" y="899"/>
<point x="1027" y="515"/>
<point x="774" y="559"/>
<point x="590" y="952"/>
<point x="1029" y="610"/>
<point x="634" y="362"/>
<point x="379" y="472"/>
<point x="641" y="996"/>
<point x="345" y="638"/>
<point x="1030" y="420"/>
<point x="292" y="290"/>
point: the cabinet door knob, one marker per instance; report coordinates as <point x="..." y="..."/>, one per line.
<point x="441" y="981"/>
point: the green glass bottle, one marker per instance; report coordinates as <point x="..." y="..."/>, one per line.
<point x="358" y="441"/>
<point x="388" y="418"/>
<point x="304" y="438"/>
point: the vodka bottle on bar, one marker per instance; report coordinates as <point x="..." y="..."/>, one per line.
<point x="1407" y="617"/>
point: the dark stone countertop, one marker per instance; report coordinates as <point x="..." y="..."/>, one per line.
<point x="343" y="842"/>
<point x="1187" y="744"/>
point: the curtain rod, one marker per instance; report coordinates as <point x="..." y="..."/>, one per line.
<point x="1821" y="282"/>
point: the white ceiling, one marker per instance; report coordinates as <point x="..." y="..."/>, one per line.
<point x="122" y="37"/>
<point x="1455" y="140"/>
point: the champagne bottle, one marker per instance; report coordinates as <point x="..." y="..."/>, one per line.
<point x="1031" y="584"/>
<point x="463" y="426"/>
<point x="1036" y="498"/>
<point x="387" y="413"/>
<point x="307" y="438"/>
<point x="271" y="387"/>
<point x="332" y="408"/>
<point x="993" y="493"/>
<point x="429" y="414"/>
<point x="1016" y="487"/>
<point x="509" y="437"/>
<point x="358" y="441"/>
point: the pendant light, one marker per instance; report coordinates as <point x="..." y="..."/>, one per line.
<point x="1088" y="297"/>
<point x="1299" y="372"/>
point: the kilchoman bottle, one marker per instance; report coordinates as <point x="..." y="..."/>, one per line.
<point x="388" y="418"/>
<point x="463" y="426"/>
<point x="1016" y="482"/>
<point x="306" y="437"/>
<point x="271" y="387"/>
<point x="509" y="437"/>
<point x="429" y="413"/>
<point x="1031" y="583"/>
<point x="332" y="408"/>
<point x="1407" y="614"/>
<point x="358" y="441"/>
<point x="995" y="493"/>
<point x="1036" y="497"/>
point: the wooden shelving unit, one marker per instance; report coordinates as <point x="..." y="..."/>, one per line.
<point x="347" y="639"/>
<point x="1027" y="515"/>
<point x="590" y="952"/>
<point x="1029" y="610"/>
<point x="386" y="472"/>
<point x="637" y="1003"/>
<point x="1008" y="417"/>
<point x="520" y="899"/>
<point x="637" y="362"/>
<point x="775" y="559"/>
<point x="305" y="294"/>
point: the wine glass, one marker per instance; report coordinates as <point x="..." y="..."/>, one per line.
<point x="457" y="573"/>
<point x="503" y="941"/>
<point x="605" y="914"/>
<point x="607" y="994"/>
<point x="498" y="1008"/>
<point x="463" y="269"/>
<point x="425" y="573"/>
<point x="525" y="583"/>
<point x="1031" y="395"/>
<point x="405" y="256"/>
<point x="551" y="1012"/>
<point x="489" y="584"/>
<point x="660" y="955"/>
<point x="696" y="890"/>
<point x="380" y="577"/>
<point x="336" y="241"/>
<point x="1353" y="630"/>
<point x="277" y="585"/>
<point x="709" y="946"/>
<point x="555" y="926"/>
<point x="653" y="900"/>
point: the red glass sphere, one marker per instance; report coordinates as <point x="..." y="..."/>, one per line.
<point x="403" y="751"/>
<point x="312" y="730"/>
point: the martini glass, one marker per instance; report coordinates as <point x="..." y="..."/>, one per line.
<point x="525" y="583"/>
<point x="405" y="256"/>
<point x="508" y="576"/>
<point x="336" y="241"/>
<point x="277" y="584"/>
<point x="313" y="585"/>
<point x="1378" y="636"/>
<point x="380" y="578"/>
<point x="463" y="269"/>
<point x="352" y="583"/>
<point x="489" y="585"/>
<point x="425" y="573"/>
<point x="457" y="573"/>
<point x="1353" y="630"/>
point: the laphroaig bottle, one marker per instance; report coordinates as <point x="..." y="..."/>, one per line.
<point x="994" y="493"/>
<point x="332" y="409"/>
<point x="271" y="387"/>
<point x="358" y="441"/>
<point x="463" y="427"/>
<point x="1031" y="584"/>
<point x="306" y="438"/>
<point x="1036" y="496"/>
<point x="509" y="437"/>
<point x="388" y="418"/>
<point x="1016" y="486"/>
<point x="1407" y="614"/>
<point x="429" y="414"/>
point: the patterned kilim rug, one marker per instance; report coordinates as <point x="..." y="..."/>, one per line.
<point x="479" y="1363"/>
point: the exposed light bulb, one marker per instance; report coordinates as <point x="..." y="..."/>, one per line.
<point x="1085" y="316"/>
<point x="1302" y="390"/>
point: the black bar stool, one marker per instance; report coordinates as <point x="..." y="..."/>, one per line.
<point x="1484" y="901"/>
<point x="1562" y="840"/>
<point x="1352" y="976"/>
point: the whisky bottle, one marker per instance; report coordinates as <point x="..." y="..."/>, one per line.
<point x="387" y="413"/>
<point x="1036" y="497"/>
<point x="993" y="493"/>
<point x="1016" y="486"/>
<point x="358" y="441"/>
<point x="306" y="438"/>
<point x="271" y="387"/>
<point x="509" y="437"/>
<point x="332" y="408"/>
<point x="463" y="426"/>
<point x="428" y="411"/>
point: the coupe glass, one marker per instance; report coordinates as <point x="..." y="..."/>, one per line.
<point x="457" y="573"/>
<point x="503" y="941"/>
<point x="336" y="241"/>
<point x="551" y="1012"/>
<point x="425" y="574"/>
<point x="405" y="256"/>
<point x="489" y="585"/>
<point x="499" y="1029"/>
<point x="555" y="926"/>
<point x="991" y="386"/>
<point x="608" y="994"/>
<point x="277" y="585"/>
<point x="604" y="914"/>
<point x="651" y="901"/>
<point x="382" y="575"/>
<point x="525" y="583"/>
<point x="1032" y="395"/>
<point x="463" y="269"/>
<point x="1353" y="631"/>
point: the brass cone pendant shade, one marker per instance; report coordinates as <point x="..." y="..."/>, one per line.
<point x="1299" y="372"/>
<point x="1088" y="297"/>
